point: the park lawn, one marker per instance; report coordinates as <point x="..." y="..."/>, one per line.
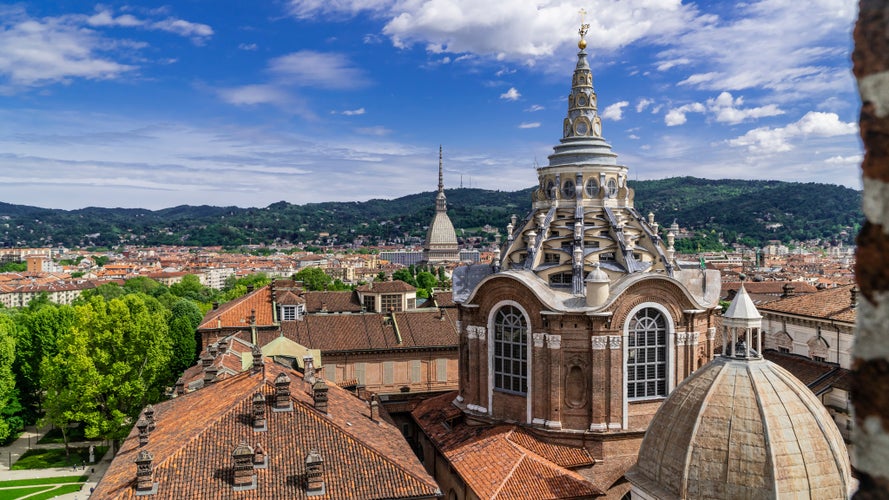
<point x="54" y="435"/>
<point x="55" y="457"/>
<point x="13" y="493"/>
<point x="48" y="491"/>
<point x="45" y="480"/>
<point x="61" y="490"/>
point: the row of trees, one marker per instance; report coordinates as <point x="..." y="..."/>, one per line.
<point x="99" y="361"/>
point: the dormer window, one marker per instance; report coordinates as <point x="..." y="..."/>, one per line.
<point x="561" y="280"/>
<point x="550" y="258"/>
<point x="391" y="302"/>
<point x="292" y="312"/>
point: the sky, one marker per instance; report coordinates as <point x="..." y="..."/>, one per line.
<point x="199" y="102"/>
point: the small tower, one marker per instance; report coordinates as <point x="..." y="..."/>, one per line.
<point x="441" y="239"/>
<point x="597" y="287"/>
<point x="742" y="323"/>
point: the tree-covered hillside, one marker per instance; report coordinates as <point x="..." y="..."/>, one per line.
<point x="749" y="211"/>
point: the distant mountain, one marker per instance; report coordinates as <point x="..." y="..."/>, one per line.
<point x="752" y="212"/>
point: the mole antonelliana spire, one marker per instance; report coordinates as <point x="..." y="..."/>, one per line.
<point x="441" y="240"/>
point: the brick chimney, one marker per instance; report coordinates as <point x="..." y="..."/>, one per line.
<point x="788" y="291"/>
<point x="259" y="422"/>
<point x="244" y="476"/>
<point x="282" y="393"/>
<point x="142" y="425"/>
<point x="260" y="459"/>
<point x="249" y="288"/>
<point x="213" y="349"/>
<point x="223" y="346"/>
<point x="853" y="292"/>
<point x="314" y="474"/>
<point x="257" y="358"/>
<point x="180" y="386"/>
<point x="210" y="374"/>
<point x="145" y="484"/>
<point x="148" y="412"/>
<point x="215" y="305"/>
<point x="319" y="395"/>
<point x="206" y="358"/>
<point x="308" y="371"/>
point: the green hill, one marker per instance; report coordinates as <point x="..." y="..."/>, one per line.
<point x="752" y="212"/>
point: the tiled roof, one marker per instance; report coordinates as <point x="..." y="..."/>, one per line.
<point x="503" y="461"/>
<point x="371" y="331"/>
<point x="289" y="298"/>
<point x="833" y="303"/>
<point x="396" y="286"/>
<point x="817" y="375"/>
<point x="196" y="434"/>
<point x="768" y="287"/>
<point x="332" y="301"/>
<point x="235" y="313"/>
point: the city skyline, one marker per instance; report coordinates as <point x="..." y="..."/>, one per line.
<point x="120" y="104"/>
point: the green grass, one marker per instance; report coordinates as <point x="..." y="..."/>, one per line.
<point x="45" y="459"/>
<point x="61" y="490"/>
<point x="20" y="492"/>
<point x="45" y="480"/>
<point x="49" y="490"/>
<point x="55" y="436"/>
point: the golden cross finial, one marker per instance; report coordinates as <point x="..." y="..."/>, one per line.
<point x="584" y="27"/>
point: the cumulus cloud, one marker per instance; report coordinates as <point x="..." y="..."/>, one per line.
<point x="767" y="140"/>
<point x="511" y="95"/>
<point x="529" y="125"/>
<point x="676" y="116"/>
<point x="615" y="111"/>
<point x="643" y="103"/>
<point x="727" y="109"/>
<point x="845" y="160"/>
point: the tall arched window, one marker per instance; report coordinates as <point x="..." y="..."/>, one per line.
<point x="510" y="351"/>
<point x="647" y="355"/>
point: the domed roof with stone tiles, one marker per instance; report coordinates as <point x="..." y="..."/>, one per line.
<point x="742" y="427"/>
<point x="441" y="234"/>
<point x="582" y="215"/>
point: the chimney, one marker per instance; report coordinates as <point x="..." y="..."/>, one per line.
<point x="223" y="346"/>
<point x="259" y="423"/>
<point x="361" y="392"/>
<point x="180" y="387"/>
<point x="788" y="291"/>
<point x="282" y="393"/>
<point x="244" y="477"/>
<point x="142" y="425"/>
<point x="210" y="374"/>
<point x="853" y="292"/>
<point x="206" y="359"/>
<point x="314" y="474"/>
<point x="213" y="350"/>
<point x="257" y="358"/>
<point x="319" y="395"/>
<point x="249" y="288"/>
<point x="148" y="412"/>
<point x="260" y="459"/>
<point x="374" y="408"/>
<point x="215" y="305"/>
<point x="145" y="484"/>
<point x="308" y="370"/>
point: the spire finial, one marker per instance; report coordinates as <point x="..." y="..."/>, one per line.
<point x="584" y="27"/>
<point x="440" y="176"/>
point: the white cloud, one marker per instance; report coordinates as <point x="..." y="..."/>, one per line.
<point x="248" y="95"/>
<point x="378" y="131"/>
<point x="511" y="95"/>
<point x="353" y="112"/>
<point x="727" y="109"/>
<point x="534" y="107"/>
<point x="198" y="32"/>
<point x="529" y="125"/>
<point x="766" y="140"/>
<point x="676" y="116"/>
<point x="308" y="68"/>
<point x="643" y="103"/>
<point x="248" y="46"/>
<point x="845" y="160"/>
<point x="185" y="28"/>
<point x="106" y="18"/>
<point x="615" y="111"/>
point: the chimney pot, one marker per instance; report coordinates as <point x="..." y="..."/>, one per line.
<point x="215" y="305"/>
<point x="319" y="395"/>
<point x="257" y="358"/>
<point x="145" y="484"/>
<point x="180" y="386"/>
<point x="259" y="457"/>
<point x="314" y="474"/>
<point x="149" y="416"/>
<point x="210" y="374"/>
<point x="244" y="476"/>
<point x="259" y="421"/>
<point x="223" y="346"/>
<point x="308" y="370"/>
<point x="142" y="425"/>
<point x="282" y="393"/>
<point x="374" y="408"/>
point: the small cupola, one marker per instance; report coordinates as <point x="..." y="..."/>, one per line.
<point x="597" y="287"/>
<point x="742" y="327"/>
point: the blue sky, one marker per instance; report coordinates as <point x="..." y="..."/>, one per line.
<point x="127" y="104"/>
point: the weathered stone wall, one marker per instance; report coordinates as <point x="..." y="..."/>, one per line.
<point x="871" y="389"/>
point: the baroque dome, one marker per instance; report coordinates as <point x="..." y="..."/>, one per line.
<point x="742" y="428"/>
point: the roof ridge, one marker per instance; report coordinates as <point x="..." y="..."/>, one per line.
<point x="537" y="457"/>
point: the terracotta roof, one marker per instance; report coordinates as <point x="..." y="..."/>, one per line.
<point x="833" y="303"/>
<point x="196" y="433"/>
<point x="441" y="299"/>
<point x="503" y="461"/>
<point x="817" y="375"/>
<point x="235" y="313"/>
<point x="290" y="298"/>
<point x="371" y="331"/>
<point x="332" y="302"/>
<point x="396" y="286"/>
<point x="768" y="287"/>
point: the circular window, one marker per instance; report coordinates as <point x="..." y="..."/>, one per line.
<point x="612" y="188"/>
<point x="550" y="189"/>
<point x="592" y="188"/>
<point x="581" y="100"/>
<point x="581" y="127"/>
<point x="568" y="189"/>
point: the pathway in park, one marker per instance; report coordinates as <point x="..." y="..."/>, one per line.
<point x="29" y="440"/>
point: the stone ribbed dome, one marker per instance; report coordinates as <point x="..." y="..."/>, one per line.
<point x="441" y="232"/>
<point x="441" y="239"/>
<point x="742" y="428"/>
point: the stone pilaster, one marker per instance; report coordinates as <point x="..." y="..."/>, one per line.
<point x="554" y="346"/>
<point x="616" y="401"/>
<point x="600" y="378"/>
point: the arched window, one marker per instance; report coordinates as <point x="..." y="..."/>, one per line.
<point x="510" y="351"/>
<point x="647" y="355"/>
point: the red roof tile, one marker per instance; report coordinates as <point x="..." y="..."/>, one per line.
<point x="833" y="303"/>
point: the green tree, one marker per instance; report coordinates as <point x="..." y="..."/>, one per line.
<point x="144" y="284"/>
<point x="114" y="361"/>
<point x="426" y="280"/>
<point x="13" y="267"/>
<point x="404" y="274"/>
<point x="10" y="421"/>
<point x="190" y="287"/>
<point x="184" y="321"/>
<point x="107" y="291"/>
<point x="313" y="278"/>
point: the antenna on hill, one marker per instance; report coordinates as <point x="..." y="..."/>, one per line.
<point x="461" y="181"/>
<point x="536" y="165"/>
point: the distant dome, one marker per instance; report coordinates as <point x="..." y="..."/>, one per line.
<point x="441" y="232"/>
<point x="742" y="428"/>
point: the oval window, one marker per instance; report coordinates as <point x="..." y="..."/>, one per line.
<point x="568" y="189"/>
<point x="592" y="188"/>
<point x="575" y="387"/>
